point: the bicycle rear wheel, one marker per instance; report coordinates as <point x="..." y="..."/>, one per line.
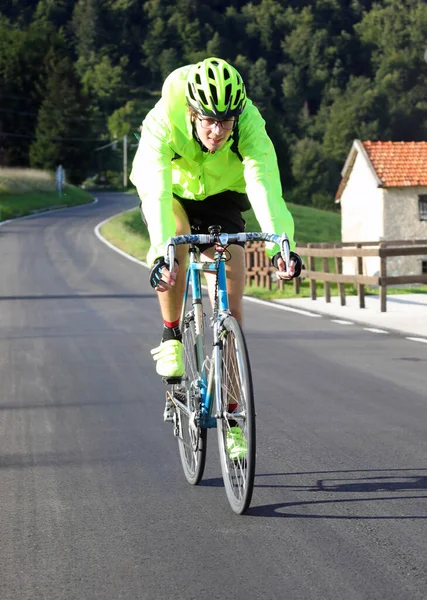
<point x="191" y="439"/>
<point x="237" y="410"/>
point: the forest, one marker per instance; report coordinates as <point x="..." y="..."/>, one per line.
<point x="76" y="75"/>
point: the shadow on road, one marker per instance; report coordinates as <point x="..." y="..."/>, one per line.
<point x="353" y="483"/>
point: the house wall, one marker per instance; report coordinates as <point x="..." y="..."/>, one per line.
<point x="402" y="222"/>
<point x="361" y="213"/>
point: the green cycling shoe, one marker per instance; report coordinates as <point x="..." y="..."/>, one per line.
<point x="169" y="359"/>
<point x="235" y="441"/>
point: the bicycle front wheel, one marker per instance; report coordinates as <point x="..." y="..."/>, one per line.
<point x="236" y="425"/>
<point x="192" y="439"/>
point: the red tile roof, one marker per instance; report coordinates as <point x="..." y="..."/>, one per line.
<point x="399" y="164"/>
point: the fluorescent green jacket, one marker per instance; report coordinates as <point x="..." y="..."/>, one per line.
<point x="157" y="173"/>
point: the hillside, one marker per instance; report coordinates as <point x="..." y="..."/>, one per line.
<point x="311" y="224"/>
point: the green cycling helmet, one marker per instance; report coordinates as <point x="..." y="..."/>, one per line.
<point x="215" y="89"/>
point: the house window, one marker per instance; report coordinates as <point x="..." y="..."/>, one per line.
<point x="424" y="267"/>
<point x="422" y="205"/>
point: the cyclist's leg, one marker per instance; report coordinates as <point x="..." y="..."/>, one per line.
<point x="169" y="354"/>
<point x="171" y="301"/>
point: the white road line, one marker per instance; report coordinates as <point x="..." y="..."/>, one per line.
<point x="342" y="322"/>
<point x="415" y="339"/>
<point x="375" y="330"/>
<point x="300" y="311"/>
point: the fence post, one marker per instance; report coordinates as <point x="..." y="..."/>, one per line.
<point x="383" y="284"/>
<point x="311" y="263"/>
<point x="360" y="286"/>
<point x="338" y="268"/>
<point x="327" y="284"/>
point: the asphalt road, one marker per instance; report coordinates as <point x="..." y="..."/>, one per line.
<point x="93" y="503"/>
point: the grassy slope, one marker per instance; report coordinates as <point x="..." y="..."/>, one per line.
<point x="26" y="191"/>
<point x="311" y="224"/>
<point x="128" y="232"/>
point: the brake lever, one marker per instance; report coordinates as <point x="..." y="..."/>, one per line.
<point x="170" y="253"/>
<point x="285" y="251"/>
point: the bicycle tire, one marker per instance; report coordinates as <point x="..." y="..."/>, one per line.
<point x="193" y="439"/>
<point x="236" y="385"/>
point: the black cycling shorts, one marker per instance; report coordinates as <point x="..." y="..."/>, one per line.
<point x="224" y="209"/>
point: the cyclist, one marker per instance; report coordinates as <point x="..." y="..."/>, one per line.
<point x="204" y="157"/>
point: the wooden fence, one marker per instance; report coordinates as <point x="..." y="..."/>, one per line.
<point x="261" y="273"/>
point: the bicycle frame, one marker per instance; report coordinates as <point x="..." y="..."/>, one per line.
<point x="209" y="383"/>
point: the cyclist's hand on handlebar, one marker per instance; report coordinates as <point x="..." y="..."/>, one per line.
<point x="161" y="279"/>
<point x="295" y="266"/>
<point x="281" y="269"/>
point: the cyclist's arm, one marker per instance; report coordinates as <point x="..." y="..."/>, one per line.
<point x="262" y="178"/>
<point x="152" y="176"/>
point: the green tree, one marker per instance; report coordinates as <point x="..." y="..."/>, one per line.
<point x="396" y="32"/>
<point x="357" y="112"/>
<point x="266" y="26"/>
<point x="105" y="81"/>
<point x="63" y="131"/>
<point x="22" y="54"/>
<point x="127" y="119"/>
<point x="84" y="25"/>
<point x="20" y="12"/>
<point x="259" y="86"/>
<point x="313" y="176"/>
<point x="153" y="46"/>
<point x="57" y="12"/>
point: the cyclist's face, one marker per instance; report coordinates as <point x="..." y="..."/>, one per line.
<point x="213" y="133"/>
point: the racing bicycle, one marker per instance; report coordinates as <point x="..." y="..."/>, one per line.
<point x="216" y="390"/>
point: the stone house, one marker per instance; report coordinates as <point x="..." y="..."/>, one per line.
<point x="383" y="196"/>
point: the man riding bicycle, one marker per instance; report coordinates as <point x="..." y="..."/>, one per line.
<point x="203" y="158"/>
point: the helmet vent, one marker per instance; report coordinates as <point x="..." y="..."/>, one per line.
<point x="226" y="74"/>
<point x="228" y="88"/>
<point x="202" y="97"/>
<point x="198" y="79"/>
<point x="237" y="98"/>
<point x="214" y="94"/>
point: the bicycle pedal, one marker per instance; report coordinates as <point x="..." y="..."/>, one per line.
<point x="169" y="410"/>
<point x="168" y="414"/>
<point x="172" y="380"/>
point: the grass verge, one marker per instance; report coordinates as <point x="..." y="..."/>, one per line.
<point x="20" y="205"/>
<point x="28" y="191"/>
<point x="128" y="233"/>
